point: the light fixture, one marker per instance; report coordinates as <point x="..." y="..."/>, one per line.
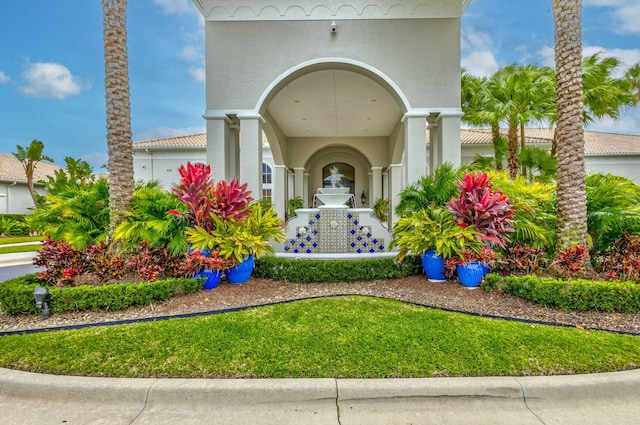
<point x="363" y="198"/>
<point x="334" y="27"/>
<point x="41" y="294"/>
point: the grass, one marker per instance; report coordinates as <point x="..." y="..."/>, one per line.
<point x="20" y="239"/>
<point x="35" y="246"/>
<point x="351" y="337"/>
<point x="19" y="248"/>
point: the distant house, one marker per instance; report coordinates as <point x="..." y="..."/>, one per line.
<point x="14" y="194"/>
<point x="604" y="152"/>
<point x="613" y="153"/>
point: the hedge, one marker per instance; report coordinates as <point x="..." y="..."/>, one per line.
<point x="16" y="295"/>
<point x="578" y="294"/>
<point x="308" y="270"/>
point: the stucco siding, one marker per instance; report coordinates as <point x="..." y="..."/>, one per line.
<point x="239" y="71"/>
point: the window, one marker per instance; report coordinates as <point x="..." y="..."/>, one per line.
<point x="267" y="182"/>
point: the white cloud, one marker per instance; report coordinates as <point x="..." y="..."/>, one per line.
<point x="625" y="12"/>
<point x="477" y="57"/>
<point x="176" y="6"/>
<point x="49" y="80"/>
<point x="480" y="63"/>
<point x="191" y="53"/>
<point x="4" y="78"/>
<point x="198" y="73"/>
<point x="166" y="132"/>
<point x="548" y="55"/>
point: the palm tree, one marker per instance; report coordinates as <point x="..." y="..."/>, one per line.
<point x="29" y="157"/>
<point x="604" y="95"/>
<point x="633" y="75"/>
<point x="116" y="80"/>
<point x="571" y="227"/>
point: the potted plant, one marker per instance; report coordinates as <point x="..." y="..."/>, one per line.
<point x="241" y="241"/>
<point x="381" y="209"/>
<point x="207" y="265"/>
<point x="471" y="265"/>
<point x="434" y="235"/>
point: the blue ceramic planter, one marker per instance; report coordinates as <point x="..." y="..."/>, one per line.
<point x="470" y="275"/>
<point x="433" y="266"/>
<point x="241" y="272"/>
<point x="211" y="278"/>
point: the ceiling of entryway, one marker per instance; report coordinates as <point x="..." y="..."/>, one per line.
<point x="334" y="103"/>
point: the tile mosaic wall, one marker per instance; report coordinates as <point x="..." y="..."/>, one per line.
<point x="334" y="231"/>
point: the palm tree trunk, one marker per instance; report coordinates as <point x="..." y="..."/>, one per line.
<point x="121" y="182"/>
<point x="495" y="134"/>
<point x="512" y="137"/>
<point x="571" y="195"/>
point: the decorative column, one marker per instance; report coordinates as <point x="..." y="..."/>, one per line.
<point x="218" y="145"/>
<point x="435" y="147"/>
<point x="279" y="191"/>
<point x="396" y="186"/>
<point x="305" y="190"/>
<point x="449" y="137"/>
<point x="415" y="138"/>
<point x="251" y="153"/>
<point x="298" y="184"/>
<point x="376" y="185"/>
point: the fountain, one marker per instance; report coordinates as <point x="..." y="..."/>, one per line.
<point x="333" y="230"/>
<point x="335" y="196"/>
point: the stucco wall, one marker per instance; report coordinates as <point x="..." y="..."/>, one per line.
<point x="15" y="198"/>
<point x="406" y="51"/>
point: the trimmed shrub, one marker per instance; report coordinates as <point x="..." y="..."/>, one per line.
<point x="307" y="271"/>
<point x="16" y="295"/>
<point x="576" y="294"/>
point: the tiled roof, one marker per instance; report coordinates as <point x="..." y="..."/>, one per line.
<point x="595" y="142"/>
<point x="11" y="169"/>
<point x="190" y="141"/>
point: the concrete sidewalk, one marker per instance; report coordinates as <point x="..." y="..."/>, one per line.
<point x="608" y="398"/>
<point x="17" y="258"/>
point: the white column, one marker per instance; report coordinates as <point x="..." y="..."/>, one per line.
<point x="435" y="151"/>
<point x="298" y="184"/>
<point x="415" y="136"/>
<point x="251" y="153"/>
<point x="375" y="189"/>
<point x="279" y="190"/>
<point x="396" y="186"/>
<point x="218" y="146"/>
<point x="449" y="138"/>
<point x="305" y="189"/>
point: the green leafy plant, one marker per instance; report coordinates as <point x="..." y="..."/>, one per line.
<point x="381" y="209"/>
<point x="292" y="205"/>
<point x="435" y="229"/>
<point x="147" y="220"/>
<point x="436" y="189"/>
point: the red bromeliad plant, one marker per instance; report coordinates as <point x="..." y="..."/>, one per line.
<point x="481" y="206"/>
<point x="203" y="198"/>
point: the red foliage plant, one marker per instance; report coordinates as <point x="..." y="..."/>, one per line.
<point x="570" y="262"/>
<point x="202" y="197"/>
<point x="621" y="261"/>
<point x="487" y="209"/>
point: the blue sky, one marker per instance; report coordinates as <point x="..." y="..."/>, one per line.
<point x="52" y="64"/>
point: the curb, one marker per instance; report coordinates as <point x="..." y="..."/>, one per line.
<point x="27" y="397"/>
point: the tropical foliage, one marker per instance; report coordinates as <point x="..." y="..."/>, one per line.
<point x="480" y="205"/>
<point x="435" y="189"/>
<point x="29" y="157"/>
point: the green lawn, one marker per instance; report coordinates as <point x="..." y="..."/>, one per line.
<point x="20" y="239"/>
<point x="352" y="337"/>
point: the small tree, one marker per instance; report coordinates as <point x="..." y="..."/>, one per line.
<point x="29" y="157"/>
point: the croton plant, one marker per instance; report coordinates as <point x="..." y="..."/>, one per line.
<point x="480" y="205"/>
